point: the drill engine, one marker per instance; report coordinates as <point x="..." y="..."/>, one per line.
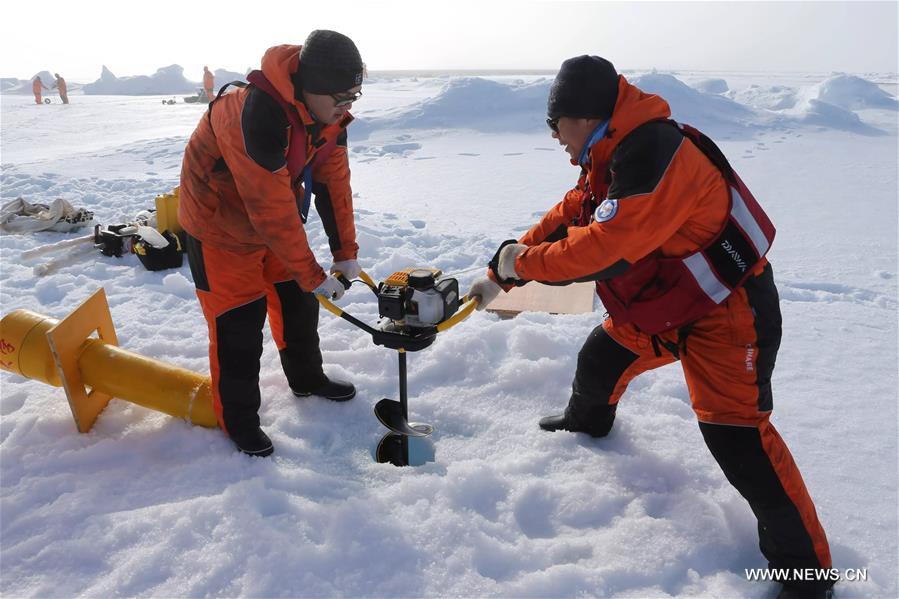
<point x="418" y="298"/>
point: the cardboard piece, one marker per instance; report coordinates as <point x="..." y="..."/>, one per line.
<point x="576" y="298"/>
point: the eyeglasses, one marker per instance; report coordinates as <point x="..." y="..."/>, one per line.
<point x="553" y="124"/>
<point x="346" y="99"/>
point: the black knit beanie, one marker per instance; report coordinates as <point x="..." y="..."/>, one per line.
<point x="329" y="63"/>
<point x="586" y="87"/>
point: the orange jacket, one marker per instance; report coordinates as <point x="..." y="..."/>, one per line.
<point x="236" y="192"/>
<point x="208" y="80"/>
<point x="61" y="86"/>
<point x="674" y="206"/>
<point x="36" y="86"/>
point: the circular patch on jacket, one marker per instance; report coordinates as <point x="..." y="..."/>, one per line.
<point x="606" y="211"/>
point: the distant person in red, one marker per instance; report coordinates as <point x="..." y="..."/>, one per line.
<point x="61" y="86"/>
<point x="208" y="83"/>
<point x="36" y="86"/>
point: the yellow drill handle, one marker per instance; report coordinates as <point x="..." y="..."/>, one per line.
<point x="467" y="307"/>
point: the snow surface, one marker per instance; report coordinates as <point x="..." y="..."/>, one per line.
<point x="443" y="170"/>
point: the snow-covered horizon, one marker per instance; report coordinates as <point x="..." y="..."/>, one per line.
<point x="169" y="79"/>
<point x="444" y="169"/>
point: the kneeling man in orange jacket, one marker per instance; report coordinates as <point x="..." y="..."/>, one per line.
<point x="676" y="244"/>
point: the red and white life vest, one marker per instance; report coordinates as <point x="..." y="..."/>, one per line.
<point x="660" y="293"/>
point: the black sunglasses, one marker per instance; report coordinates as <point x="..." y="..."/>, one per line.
<point x="553" y="124"/>
<point x="345" y="100"/>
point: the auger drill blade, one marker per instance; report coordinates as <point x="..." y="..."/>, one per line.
<point x="390" y="413"/>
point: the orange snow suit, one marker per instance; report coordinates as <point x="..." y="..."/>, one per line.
<point x="671" y="199"/>
<point x="247" y="248"/>
<point x="208" y="84"/>
<point x="63" y="90"/>
<point x="36" y="86"/>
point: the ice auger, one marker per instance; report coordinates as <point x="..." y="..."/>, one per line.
<point x="415" y="305"/>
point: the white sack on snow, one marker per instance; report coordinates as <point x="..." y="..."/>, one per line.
<point x="20" y="216"/>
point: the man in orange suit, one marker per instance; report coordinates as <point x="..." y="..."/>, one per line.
<point x="208" y="83"/>
<point x="676" y="244"/>
<point x="36" y="86"/>
<point x="247" y="179"/>
<point x="60" y="86"/>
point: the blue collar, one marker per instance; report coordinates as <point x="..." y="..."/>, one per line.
<point x="597" y="134"/>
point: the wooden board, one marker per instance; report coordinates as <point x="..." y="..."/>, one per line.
<point x="576" y="298"/>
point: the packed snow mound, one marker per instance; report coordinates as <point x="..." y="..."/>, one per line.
<point x="167" y="80"/>
<point x="711" y="86"/>
<point x="830" y="104"/>
<point x="765" y="97"/>
<point x="470" y="103"/>
<point x="811" y="111"/>
<point x="853" y="93"/>
<point x="9" y="83"/>
<point x="711" y="113"/>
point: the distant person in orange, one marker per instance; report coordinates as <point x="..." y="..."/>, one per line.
<point x="208" y="83"/>
<point x="61" y="86"/>
<point x="36" y="86"/>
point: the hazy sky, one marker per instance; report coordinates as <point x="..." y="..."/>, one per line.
<point x="136" y="38"/>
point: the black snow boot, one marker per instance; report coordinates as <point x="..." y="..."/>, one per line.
<point x="330" y="389"/>
<point x="554" y="423"/>
<point x="581" y="417"/>
<point x="254" y="442"/>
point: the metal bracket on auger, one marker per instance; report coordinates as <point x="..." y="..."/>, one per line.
<point x="415" y="305"/>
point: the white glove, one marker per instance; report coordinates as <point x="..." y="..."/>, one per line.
<point x="506" y="262"/>
<point x="348" y="268"/>
<point x="331" y="288"/>
<point x="485" y="290"/>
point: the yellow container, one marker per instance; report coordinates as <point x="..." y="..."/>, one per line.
<point x="167" y="211"/>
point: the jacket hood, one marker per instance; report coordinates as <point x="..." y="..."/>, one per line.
<point x="279" y="63"/>
<point x="633" y="108"/>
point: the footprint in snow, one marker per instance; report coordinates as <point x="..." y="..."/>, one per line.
<point x="834" y="292"/>
<point x="12" y="403"/>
